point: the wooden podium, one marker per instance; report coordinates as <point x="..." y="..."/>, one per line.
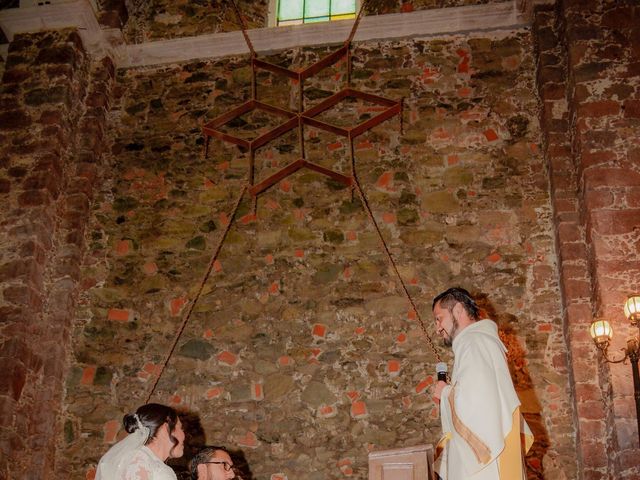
<point x="410" y="463"/>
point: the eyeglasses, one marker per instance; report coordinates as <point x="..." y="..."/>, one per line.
<point x="227" y="466"/>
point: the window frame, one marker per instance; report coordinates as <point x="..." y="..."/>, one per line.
<point x="273" y="14"/>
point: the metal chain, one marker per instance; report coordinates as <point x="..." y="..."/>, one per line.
<point x="392" y="262"/>
<point x="243" y="27"/>
<point x="205" y="277"/>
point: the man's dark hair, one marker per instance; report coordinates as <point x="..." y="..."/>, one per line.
<point x="450" y="297"/>
<point x="204" y="455"/>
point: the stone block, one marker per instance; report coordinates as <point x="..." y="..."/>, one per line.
<point x="26" y="270"/>
<point x="16" y="75"/>
<point x="51" y="117"/>
<point x="628" y="460"/>
<point x="54" y="95"/>
<point x="60" y="71"/>
<point x="316" y="394"/>
<point x="610" y="177"/>
<point x="60" y="54"/>
<point x="48" y="181"/>
<point x="599" y="108"/>
<point x="5" y="186"/>
<point x="22" y="295"/>
<point x="632" y="109"/>
<point x="621" y="17"/>
<point x="597" y="158"/>
<point x="594" y="453"/>
<point x="14" y="120"/>
<point x="573" y="251"/>
<point x="598" y="199"/>
<point x="13" y="378"/>
<point x="615" y="222"/>
<point x="34" y="198"/>
<point x="197" y="349"/>
<point x="82" y="187"/>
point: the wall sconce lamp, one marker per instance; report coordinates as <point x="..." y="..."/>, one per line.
<point x="601" y="332"/>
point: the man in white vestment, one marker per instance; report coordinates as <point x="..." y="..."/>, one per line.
<point x="484" y="434"/>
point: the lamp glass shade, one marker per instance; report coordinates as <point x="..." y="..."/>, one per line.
<point x="601" y="331"/>
<point x="632" y="308"/>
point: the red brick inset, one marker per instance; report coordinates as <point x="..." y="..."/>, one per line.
<point x="393" y="368"/>
<point x="274" y="288"/>
<point x="345" y="467"/>
<point x="123" y="247"/>
<point x="285" y="360"/>
<point x="148" y="370"/>
<point x="389" y="217"/>
<point x="150" y="268"/>
<point x="214" y="392"/>
<point x="347" y="273"/>
<point x="249" y="440"/>
<point x="88" y="374"/>
<point x="228" y="358"/>
<point x="319" y="331"/>
<point x="176" y="305"/>
<point x="422" y="386"/>
<point x="327" y="411"/>
<point x="491" y="135"/>
<point x="119" y="315"/>
<point x="359" y="409"/>
<point x="384" y="181"/>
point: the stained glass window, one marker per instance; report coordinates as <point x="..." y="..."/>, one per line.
<point x="295" y="12"/>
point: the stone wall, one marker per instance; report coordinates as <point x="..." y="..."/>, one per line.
<point x="588" y="78"/>
<point x="302" y="353"/>
<point x="51" y="126"/>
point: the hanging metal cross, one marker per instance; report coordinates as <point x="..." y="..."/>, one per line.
<point x="301" y="117"/>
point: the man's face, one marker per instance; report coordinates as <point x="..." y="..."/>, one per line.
<point x="217" y="470"/>
<point x="446" y="323"/>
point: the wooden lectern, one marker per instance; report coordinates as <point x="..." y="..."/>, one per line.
<point x="410" y="463"/>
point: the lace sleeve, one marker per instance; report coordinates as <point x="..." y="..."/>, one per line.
<point x="138" y="470"/>
<point x="144" y="467"/>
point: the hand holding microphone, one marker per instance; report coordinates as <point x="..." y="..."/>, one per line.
<point x="443" y="379"/>
<point x="442" y="372"/>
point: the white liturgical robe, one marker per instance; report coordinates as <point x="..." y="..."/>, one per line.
<point x="480" y="412"/>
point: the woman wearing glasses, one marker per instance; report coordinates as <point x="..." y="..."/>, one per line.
<point x="212" y="463"/>
<point x="155" y="435"/>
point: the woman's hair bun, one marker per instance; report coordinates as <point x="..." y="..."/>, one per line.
<point x="130" y="423"/>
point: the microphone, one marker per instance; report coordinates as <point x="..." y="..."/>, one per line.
<point x="441" y="371"/>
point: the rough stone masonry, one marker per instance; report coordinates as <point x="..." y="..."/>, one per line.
<point x="516" y="175"/>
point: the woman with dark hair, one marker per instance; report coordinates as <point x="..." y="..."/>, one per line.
<point x="155" y="434"/>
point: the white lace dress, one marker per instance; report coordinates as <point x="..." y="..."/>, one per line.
<point x="141" y="464"/>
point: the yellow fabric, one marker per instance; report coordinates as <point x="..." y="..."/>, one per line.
<point x="440" y="445"/>
<point x="510" y="461"/>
